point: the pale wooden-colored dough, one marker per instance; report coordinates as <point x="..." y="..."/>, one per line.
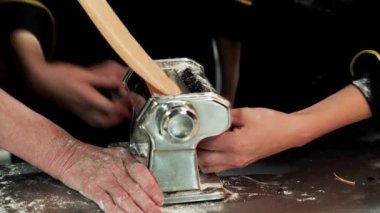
<point x="121" y="40"/>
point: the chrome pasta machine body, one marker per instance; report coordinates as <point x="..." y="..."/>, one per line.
<point x="166" y="130"/>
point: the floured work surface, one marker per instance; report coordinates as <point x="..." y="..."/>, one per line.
<point x="25" y="189"/>
<point x="304" y="180"/>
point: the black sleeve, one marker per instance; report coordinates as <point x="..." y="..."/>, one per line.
<point x="232" y="18"/>
<point x="28" y="15"/>
<point x="364" y="38"/>
<point x="365" y="71"/>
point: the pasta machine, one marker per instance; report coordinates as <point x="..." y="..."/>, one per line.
<point x="166" y="130"/>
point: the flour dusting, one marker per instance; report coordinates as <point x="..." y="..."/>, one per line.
<point x="37" y="192"/>
<point x="40" y="204"/>
<point x="211" y="185"/>
<point x="17" y="169"/>
<point x="244" y="188"/>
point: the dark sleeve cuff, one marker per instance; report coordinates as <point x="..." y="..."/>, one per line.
<point x="32" y="16"/>
<point x="365" y="72"/>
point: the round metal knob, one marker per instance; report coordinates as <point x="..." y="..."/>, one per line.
<point x="180" y="123"/>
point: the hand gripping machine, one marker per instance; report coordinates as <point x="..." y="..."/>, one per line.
<point x="166" y="130"/>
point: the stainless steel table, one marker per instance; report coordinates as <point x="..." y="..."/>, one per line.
<point x="337" y="173"/>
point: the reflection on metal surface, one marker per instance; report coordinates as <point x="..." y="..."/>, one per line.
<point x="204" y="207"/>
<point x="193" y="196"/>
<point x="211" y="188"/>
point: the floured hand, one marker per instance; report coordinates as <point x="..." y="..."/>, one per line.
<point x="112" y="178"/>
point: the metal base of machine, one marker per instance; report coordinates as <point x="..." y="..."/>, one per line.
<point x="211" y="190"/>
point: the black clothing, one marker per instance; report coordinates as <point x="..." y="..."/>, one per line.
<point x="365" y="71"/>
<point x="297" y="54"/>
<point x="165" y="29"/>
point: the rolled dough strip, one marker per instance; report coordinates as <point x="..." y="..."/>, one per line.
<point x="125" y="45"/>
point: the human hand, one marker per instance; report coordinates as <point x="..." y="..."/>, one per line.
<point x="111" y="177"/>
<point x="256" y="133"/>
<point x="78" y="90"/>
<point x="73" y="87"/>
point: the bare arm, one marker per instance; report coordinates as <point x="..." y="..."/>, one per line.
<point x="259" y="132"/>
<point x="29" y="135"/>
<point x="109" y="176"/>
<point x="73" y="87"/>
<point x="345" y="107"/>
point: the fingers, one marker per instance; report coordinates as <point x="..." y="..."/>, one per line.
<point x="124" y="107"/>
<point x="214" y="169"/>
<point x="137" y="195"/>
<point x="103" y="112"/>
<point x="103" y="81"/>
<point x="210" y="162"/>
<point x="141" y="175"/>
<point x="221" y="142"/>
<point x="108" y="74"/>
<point x="226" y="140"/>
<point x="96" y="100"/>
<point x="120" y="197"/>
<point x="109" y="67"/>
<point x="101" y="198"/>
<point x="140" y="197"/>
<point x="237" y="117"/>
<point x="131" y="101"/>
<point x="100" y="111"/>
<point x="103" y="120"/>
<point x="115" y="191"/>
<point x="110" y="112"/>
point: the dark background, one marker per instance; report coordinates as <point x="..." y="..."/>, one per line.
<point x="294" y="56"/>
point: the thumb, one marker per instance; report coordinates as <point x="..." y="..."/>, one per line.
<point x="237" y="116"/>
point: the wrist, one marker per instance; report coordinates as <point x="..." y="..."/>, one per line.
<point x="42" y="144"/>
<point x="63" y="156"/>
<point x="303" y="129"/>
<point x="340" y="109"/>
<point x="55" y="150"/>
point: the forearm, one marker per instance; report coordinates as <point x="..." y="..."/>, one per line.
<point x="32" y="60"/>
<point x="29" y="51"/>
<point x="345" y="107"/>
<point x="32" y="137"/>
<point x="94" y="172"/>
